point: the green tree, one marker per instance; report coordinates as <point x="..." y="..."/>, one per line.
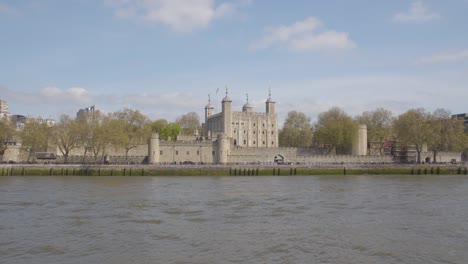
<point x="337" y="130"/>
<point x="189" y="123"/>
<point x="447" y="133"/>
<point x="171" y="131"/>
<point x="35" y="136"/>
<point x="379" y="125"/>
<point x="7" y="133"/>
<point x="134" y="129"/>
<point x="296" y="131"/>
<point x="413" y="128"/>
<point x="158" y="125"/>
<point x="66" y="135"/>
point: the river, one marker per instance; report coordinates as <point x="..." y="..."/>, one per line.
<point x="294" y="219"/>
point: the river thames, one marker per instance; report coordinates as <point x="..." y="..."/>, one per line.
<point x="268" y="219"/>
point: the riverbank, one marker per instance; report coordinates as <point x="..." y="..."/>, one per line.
<point x="226" y="170"/>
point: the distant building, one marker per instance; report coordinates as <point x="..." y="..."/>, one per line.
<point x="464" y="117"/>
<point x="4" y="113"/>
<point x="85" y="112"/>
<point x="22" y="120"/>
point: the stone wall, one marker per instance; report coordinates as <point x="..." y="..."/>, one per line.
<point x="297" y="155"/>
<point x="179" y="152"/>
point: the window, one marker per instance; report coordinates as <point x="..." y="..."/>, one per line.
<point x="263" y="132"/>
<point x="188" y="152"/>
<point x="245" y="131"/>
<point x="245" y="142"/>
<point x="254" y="131"/>
<point x="213" y="152"/>
<point x="263" y="124"/>
<point x="272" y="132"/>
<point x="272" y="125"/>
<point x="254" y="124"/>
<point x="177" y="152"/>
<point x="272" y="143"/>
<point x="160" y="152"/>
<point x="234" y="131"/>
<point x="254" y="142"/>
<point x="263" y="142"/>
<point x="198" y="152"/>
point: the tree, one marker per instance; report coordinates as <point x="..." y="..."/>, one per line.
<point x="189" y="122"/>
<point x="171" y="131"/>
<point x="7" y="133"/>
<point x="66" y="135"/>
<point x="134" y="129"/>
<point x="379" y="125"/>
<point x="336" y="129"/>
<point x="413" y="128"/>
<point x="35" y="136"/>
<point x="158" y="125"/>
<point x="447" y="133"/>
<point x="296" y="131"/>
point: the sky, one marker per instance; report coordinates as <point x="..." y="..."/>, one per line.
<point x="164" y="57"/>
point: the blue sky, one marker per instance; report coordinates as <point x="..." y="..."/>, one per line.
<point x="163" y="57"/>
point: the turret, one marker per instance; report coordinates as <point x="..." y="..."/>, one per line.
<point x="223" y="149"/>
<point x="360" y="144"/>
<point x="227" y="115"/>
<point x="153" y="149"/>
<point x="208" y="109"/>
<point x="247" y="106"/>
<point x="270" y="105"/>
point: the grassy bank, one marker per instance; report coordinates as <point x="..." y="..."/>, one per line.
<point x="61" y="170"/>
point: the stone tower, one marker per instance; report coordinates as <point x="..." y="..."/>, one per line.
<point x="153" y="149"/>
<point x="360" y="144"/>
<point x="208" y="109"/>
<point x="223" y="148"/>
<point x="227" y="115"/>
<point x="270" y="105"/>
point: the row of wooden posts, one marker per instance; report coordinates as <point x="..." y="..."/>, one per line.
<point x="420" y="171"/>
<point x="72" y="172"/>
<point x="254" y="171"/>
<point x="232" y="171"/>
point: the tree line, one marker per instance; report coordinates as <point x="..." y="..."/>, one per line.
<point x="335" y="131"/>
<point x="94" y="132"/>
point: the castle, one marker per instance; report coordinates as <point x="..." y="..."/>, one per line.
<point x="228" y="137"/>
<point x="238" y="137"/>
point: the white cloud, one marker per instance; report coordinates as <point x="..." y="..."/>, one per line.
<point x="302" y="36"/>
<point x="179" y="15"/>
<point x="52" y="100"/>
<point x="74" y="95"/>
<point x="445" y="57"/>
<point x="417" y="13"/>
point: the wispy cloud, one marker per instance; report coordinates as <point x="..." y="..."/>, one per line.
<point x="179" y="15"/>
<point x="303" y="35"/>
<point x="7" y="10"/>
<point x="417" y="13"/>
<point x="168" y="105"/>
<point x="445" y="57"/>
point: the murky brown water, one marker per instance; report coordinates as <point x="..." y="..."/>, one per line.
<point x="329" y="219"/>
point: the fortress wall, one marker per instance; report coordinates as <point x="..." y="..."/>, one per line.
<point x="442" y="156"/>
<point x="177" y="152"/>
<point x="298" y="155"/>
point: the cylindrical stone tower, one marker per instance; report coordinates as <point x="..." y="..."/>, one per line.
<point x="153" y="149"/>
<point x="360" y="144"/>
<point x="223" y="148"/>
